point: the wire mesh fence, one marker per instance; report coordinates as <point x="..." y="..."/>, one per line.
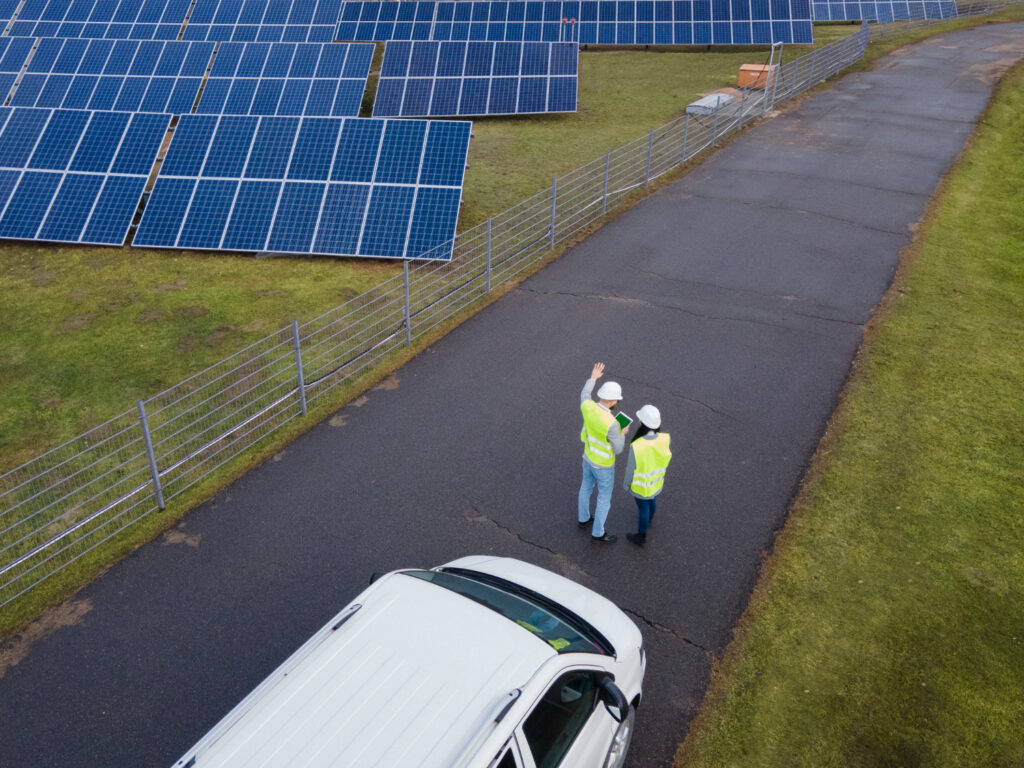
<point x="71" y="499"/>
<point x="918" y="20"/>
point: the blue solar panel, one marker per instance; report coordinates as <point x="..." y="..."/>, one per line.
<point x="125" y="75"/>
<point x="272" y="21"/>
<point x="310" y="185"/>
<point x="883" y="10"/>
<point x="74" y="175"/>
<point x="14" y="52"/>
<point x="287" y="79"/>
<point x="7" y="9"/>
<point x="590" y="22"/>
<point x="440" y="79"/>
<point x="111" y="19"/>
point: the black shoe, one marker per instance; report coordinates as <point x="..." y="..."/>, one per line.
<point x="637" y="538"/>
<point x="584" y="525"/>
<point x="608" y="538"/>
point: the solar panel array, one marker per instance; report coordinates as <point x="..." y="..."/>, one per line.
<point x="287" y="79"/>
<point x="297" y="21"/>
<point x="113" y="19"/>
<point x="461" y="78"/>
<point x="125" y="75"/>
<point x="592" y="22"/>
<point x="883" y="10"/>
<point x="74" y="175"/>
<point x="320" y="185"/>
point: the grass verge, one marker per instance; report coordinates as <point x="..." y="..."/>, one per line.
<point x="888" y="625"/>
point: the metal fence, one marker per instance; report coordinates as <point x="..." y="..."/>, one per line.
<point x="917" y="20"/>
<point x="71" y="499"/>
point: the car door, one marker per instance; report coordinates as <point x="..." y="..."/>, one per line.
<point x="568" y="727"/>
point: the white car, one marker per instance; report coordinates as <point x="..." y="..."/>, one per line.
<point x="484" y="662"/>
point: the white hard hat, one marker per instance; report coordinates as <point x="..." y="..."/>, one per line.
<point x="649" y="416"/>
<point x="610" y="390"/>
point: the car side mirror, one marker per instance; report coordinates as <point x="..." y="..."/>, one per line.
<point x="614" y="700"/>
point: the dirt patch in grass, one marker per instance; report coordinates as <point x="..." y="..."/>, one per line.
<point x="190" y="312"/>
<point x="151" y="315"/>
<point x="177" y="285"/>
<point x="43" y="277"/>
<point x="220" y="333"/>
<point x="187" y="342"/>
<point x="78" y="322"/>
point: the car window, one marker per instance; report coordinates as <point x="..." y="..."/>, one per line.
<point x="507" y="761"/>
<point x="559" y="717"/>
<point x="519" y="608"/>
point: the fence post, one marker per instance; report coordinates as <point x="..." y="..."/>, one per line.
<point x="488" y="254"/>
<point x="604" y="193"/>
<point x="157" y="490"/>
<point x="686" y="132"/>
<point x="298" y="366"/>
<point x="554" y="202"/>
<point x="776" y="76"/>
<point x="650" y="147"/>
<point x="408" y="315"/>
<point x="743" y="98"/>
<point x="714" y="130"/>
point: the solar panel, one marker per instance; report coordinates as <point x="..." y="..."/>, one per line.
<point x="126" y="75"/>
<point x="14" y="52"/>
<point x="883" y="10"/>
<point x="287" y="79"/>
<point x="309" y="185"/>
<point x="296" y="21"/>
<point x="112" y="19"/>
<point x="7" y="10"/>
<point x="74" y="176"/>
<point x="590" y="22"/>
<point x="476" y="78"/>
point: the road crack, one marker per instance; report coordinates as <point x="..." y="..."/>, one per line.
<point x="669" y="631"/>
<point x="679" y="396"/>
<point x="656" y="305"/>
<point x="794" y="209"/>
<point x="479" y="517"/>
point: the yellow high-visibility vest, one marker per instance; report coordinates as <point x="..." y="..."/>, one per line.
<point x="596" y="421"/>
<point x="652" y="458"/>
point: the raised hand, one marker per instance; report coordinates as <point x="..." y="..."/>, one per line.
<point x="598" y="371"/>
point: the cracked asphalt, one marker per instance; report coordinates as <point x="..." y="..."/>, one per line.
<point x="733" y="300"/>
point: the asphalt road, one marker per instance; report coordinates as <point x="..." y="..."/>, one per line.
<point x="734" y="300"/>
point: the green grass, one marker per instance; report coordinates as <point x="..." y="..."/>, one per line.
<point x="888" y="626"/>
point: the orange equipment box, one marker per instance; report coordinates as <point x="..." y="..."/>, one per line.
<point x="756" y="75"/>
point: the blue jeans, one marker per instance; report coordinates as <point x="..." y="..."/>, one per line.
<point x="604" y="477"/>
<point x="645" y="512"/>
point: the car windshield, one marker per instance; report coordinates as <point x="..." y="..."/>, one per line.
<point x="556" y="626"/>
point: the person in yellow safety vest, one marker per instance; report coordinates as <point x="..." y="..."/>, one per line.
<point x="649" y="456"/>
<point x="602" y="440"/>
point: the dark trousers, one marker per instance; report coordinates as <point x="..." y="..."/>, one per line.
<point x="645" y="509"/>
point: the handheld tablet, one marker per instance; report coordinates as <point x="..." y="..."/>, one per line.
<point x="623" y="419"/>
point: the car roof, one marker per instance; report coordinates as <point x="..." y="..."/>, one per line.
<point x="411" y="678"/>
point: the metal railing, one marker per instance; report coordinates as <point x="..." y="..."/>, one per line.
<point x="66" y="502"/>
